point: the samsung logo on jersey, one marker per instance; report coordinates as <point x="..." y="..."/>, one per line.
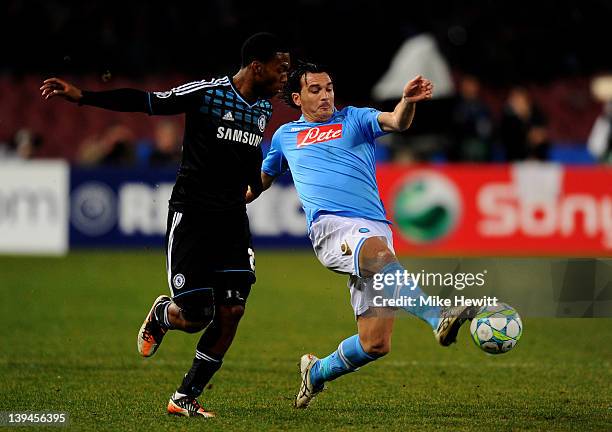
<point x="238" y="135"/>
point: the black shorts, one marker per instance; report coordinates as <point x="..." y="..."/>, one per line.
<point x="205" y="251"/>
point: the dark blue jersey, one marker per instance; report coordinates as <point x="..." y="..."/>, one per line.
<point x="222" y="142"/>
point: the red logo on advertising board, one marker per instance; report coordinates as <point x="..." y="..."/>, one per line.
<point x="319" y="134"/>
<point x="495" y="210"/>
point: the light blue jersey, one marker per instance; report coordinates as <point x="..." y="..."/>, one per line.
<point x="332" y="163"/>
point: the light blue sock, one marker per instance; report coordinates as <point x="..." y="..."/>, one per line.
<point x="429" y="314"/>
<point x="349" y="357"/>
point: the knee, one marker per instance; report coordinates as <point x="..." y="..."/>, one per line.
<point x="377" y="347"/>
<point x="196" y="326"/>
<point x="236" y="312"/>
<point x="197" y="319"/>
<point x="231" y="314"/>
<point x="384" y="257"/>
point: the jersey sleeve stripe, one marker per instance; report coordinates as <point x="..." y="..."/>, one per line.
<point x="200" y="87"/>
<point x="193" y="83"/>
<point x="188" y="88"/>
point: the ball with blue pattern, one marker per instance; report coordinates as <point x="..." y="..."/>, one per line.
<point x="496" y="329"/>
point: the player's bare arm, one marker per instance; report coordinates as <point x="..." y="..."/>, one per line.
<point x="418" y="89"/>
<point x="53" y="87"/>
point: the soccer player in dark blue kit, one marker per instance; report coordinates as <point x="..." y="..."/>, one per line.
<point x="209" y="258"/>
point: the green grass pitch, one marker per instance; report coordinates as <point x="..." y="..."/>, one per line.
<point x="69" y="328"/>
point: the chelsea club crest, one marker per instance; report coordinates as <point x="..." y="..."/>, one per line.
<point x="261" y="122"/>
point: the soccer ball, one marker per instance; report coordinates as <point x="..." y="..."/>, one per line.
<point x="496" y="329"/>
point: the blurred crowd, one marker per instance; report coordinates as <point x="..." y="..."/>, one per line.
<point x="490" y="45"/>
<point x="117" y="146"/>
<point x="462" y="128"/>
<point x="474" y="132"/>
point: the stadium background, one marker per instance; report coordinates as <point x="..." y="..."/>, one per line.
<point x="83" y="204"/>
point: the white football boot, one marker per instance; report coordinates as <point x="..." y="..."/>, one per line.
<point x="451" y="320"/>
<point x="307" y="391"/>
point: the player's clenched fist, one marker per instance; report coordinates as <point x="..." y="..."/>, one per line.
<point x="56" y="87"/>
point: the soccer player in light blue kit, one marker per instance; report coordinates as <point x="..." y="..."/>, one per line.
<point x="331" y="156"/>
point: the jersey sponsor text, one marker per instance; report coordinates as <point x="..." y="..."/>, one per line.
<point x="238" y="135"/>
<point x="319" y="134"/>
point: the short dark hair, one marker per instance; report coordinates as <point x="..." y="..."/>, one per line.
<point x="294" y="84"/>
<point x="261" y="47"/>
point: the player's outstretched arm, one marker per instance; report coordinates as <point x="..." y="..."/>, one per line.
<point x="266" y="182"/>
<point x="418" y="89"/>
<point x="124" y="100"/>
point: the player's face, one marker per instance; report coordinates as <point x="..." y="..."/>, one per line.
<point x="316" y="97"/>
<point x="273" y="75"/>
